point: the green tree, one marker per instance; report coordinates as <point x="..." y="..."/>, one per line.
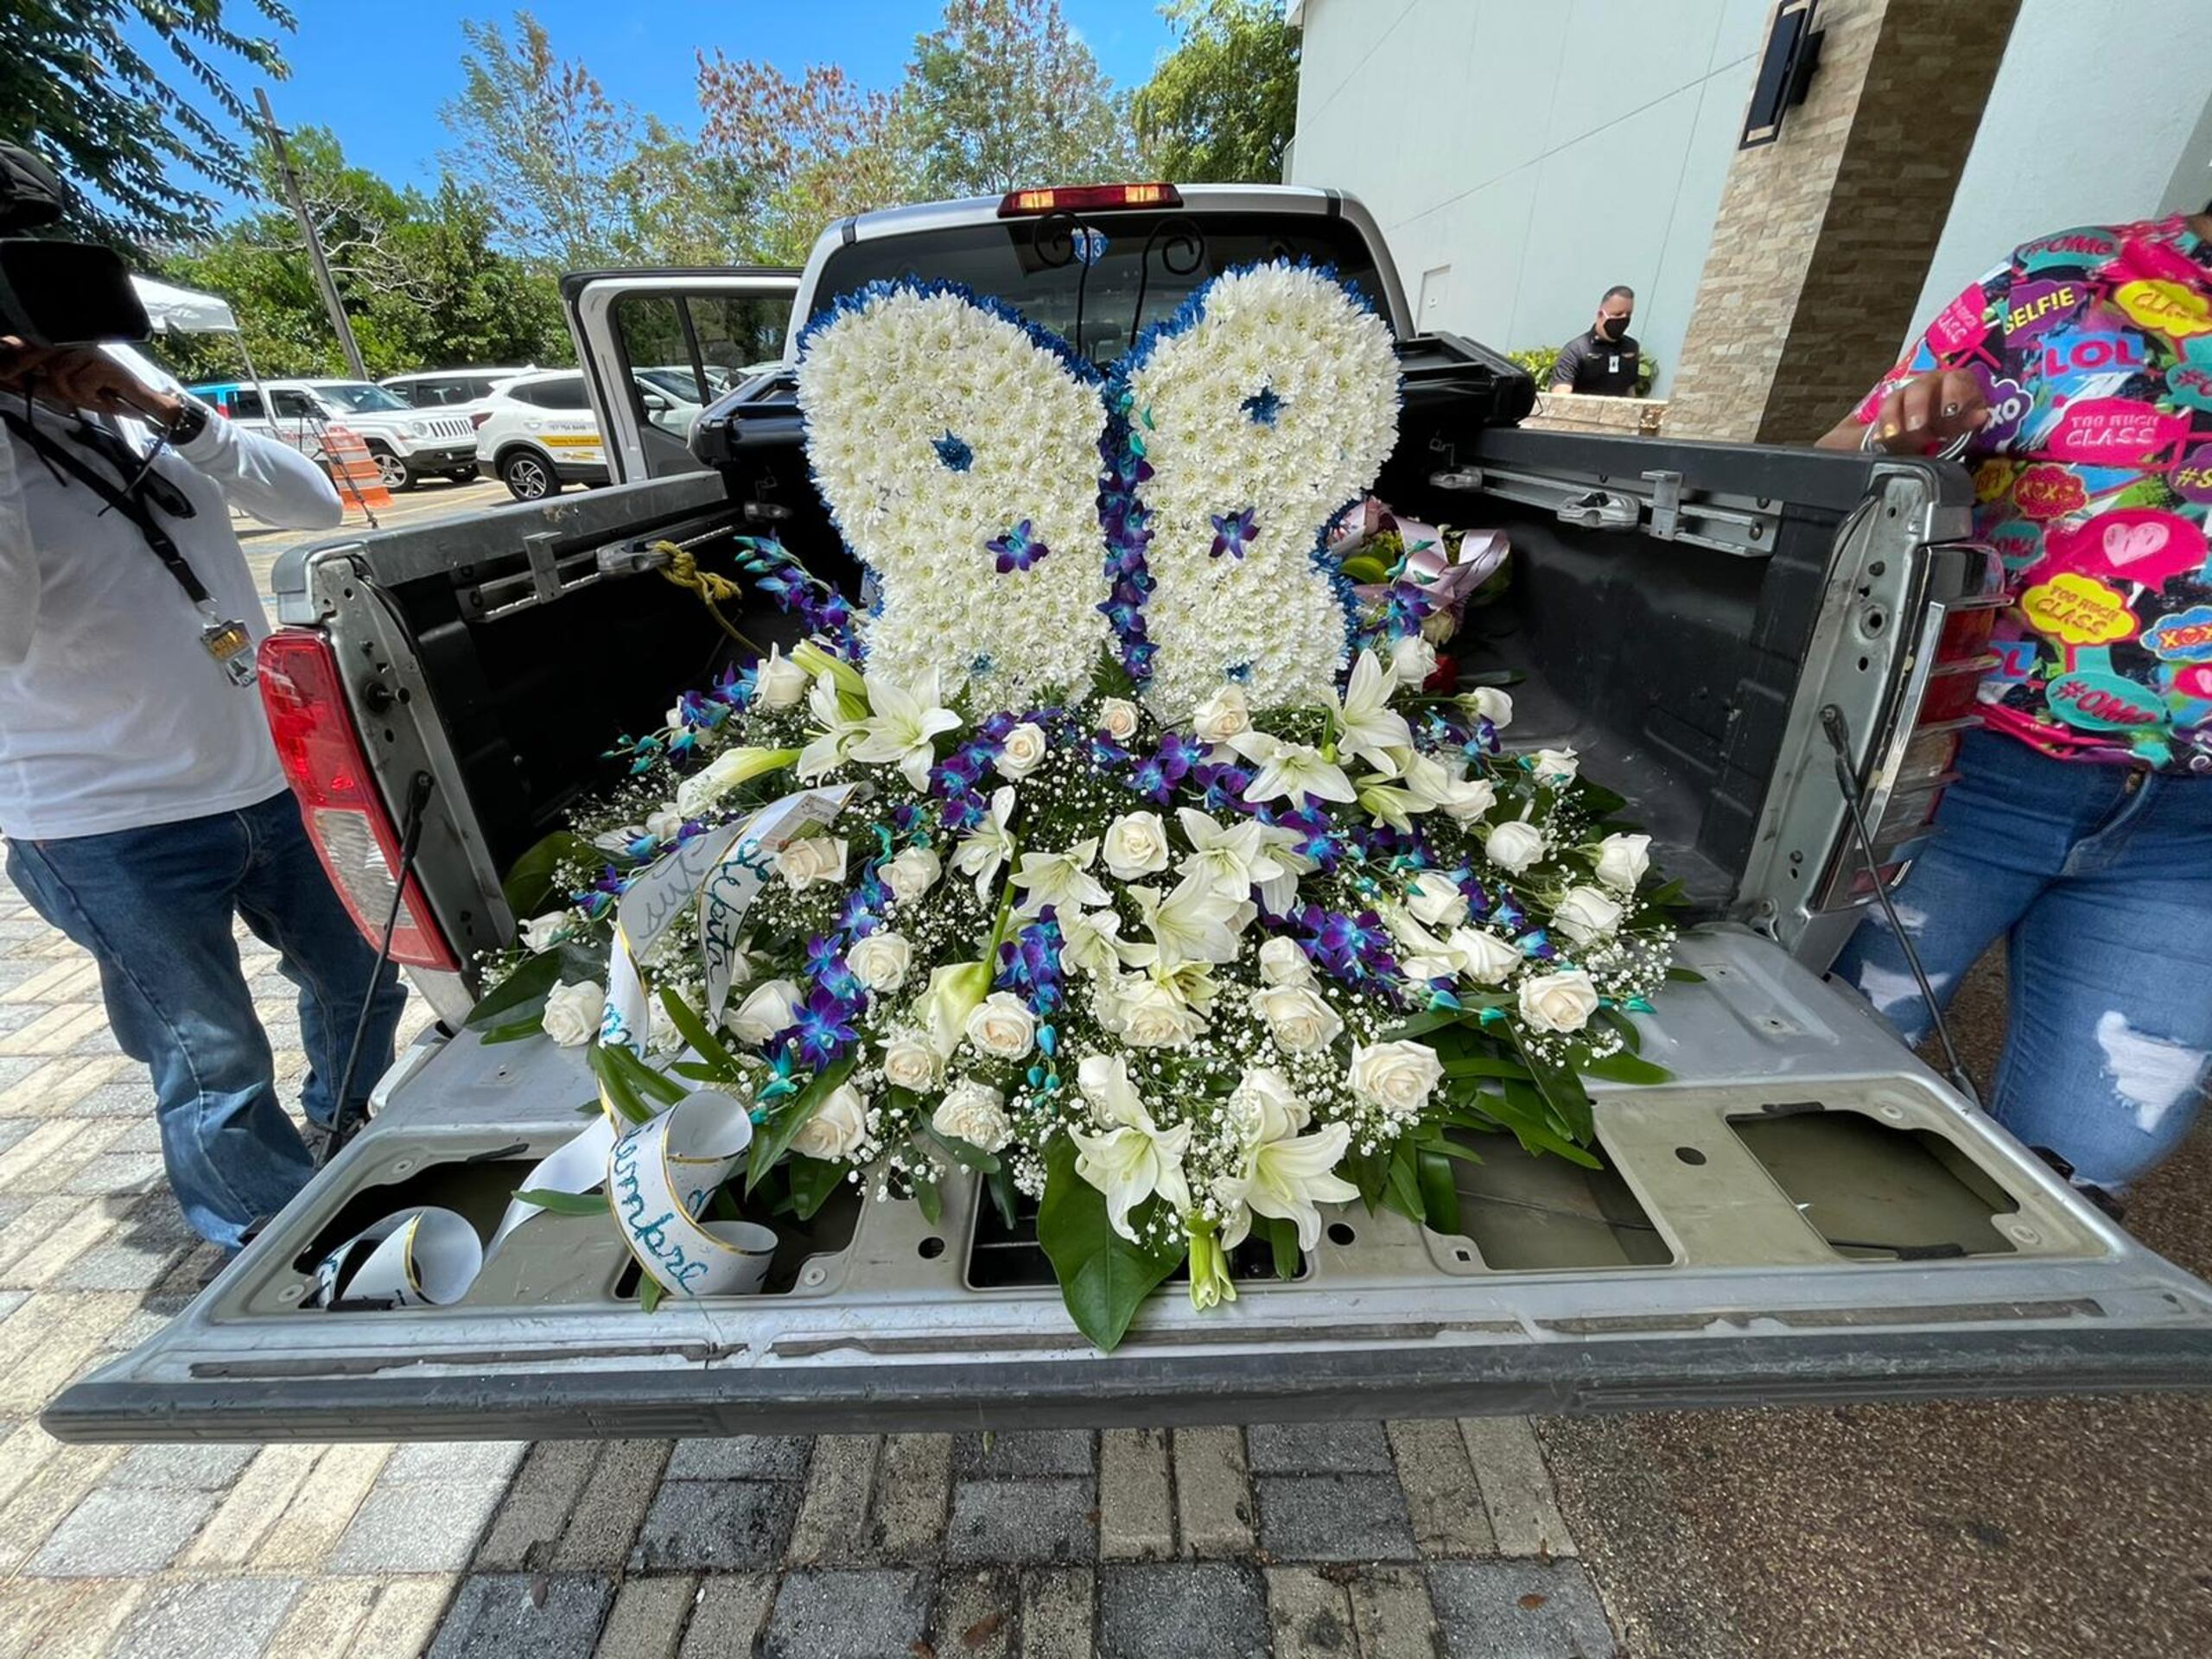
<point x="810" y="150"/>
<point x="1221" y="107"/>
<point x="419" y="277"/>
<point x="542" y="140"/>
<point x="1005" y="94"/>
<point x="123" y="129"/>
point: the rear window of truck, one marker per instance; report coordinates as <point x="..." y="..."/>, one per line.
<point x="1149" y="265"/>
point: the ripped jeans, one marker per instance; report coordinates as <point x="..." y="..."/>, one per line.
<point x="2100" y="880"/>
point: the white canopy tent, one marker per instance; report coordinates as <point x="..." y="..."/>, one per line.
<point x="172" y="309"/>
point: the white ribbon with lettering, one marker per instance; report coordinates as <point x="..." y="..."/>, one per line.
<point x="420" y="1257"/>
<point x="659" y="1177"/>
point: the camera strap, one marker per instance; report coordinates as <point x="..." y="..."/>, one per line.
<point x="227" y="640"/>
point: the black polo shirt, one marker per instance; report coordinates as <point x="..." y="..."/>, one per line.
<point x="1604" y="368"/>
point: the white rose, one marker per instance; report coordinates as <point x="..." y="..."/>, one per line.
<point x="1438" y="627"/>
<point x="1483" y="958"/>
<point x="1413" y="659"/>
<point x="662" y="825"/>
<point x="1281" y="962"/>
<point x="1152" y="1016"/>
<point x="1561" y="1001"/>
<point x="661" y="1035"/>
<point x="1022" y="752"/>
<point x="770" y="1008"/>
<point x="1264" y="1101"/>
<point x="879" y="961"/>
<point x="913" y="873"/>
<point x="543" y="932"/>
<point x="1513" y="846"/>
<point x="1002" y="1026"/>
<point x="1623" y="861"/>
<point x="1136" y="844"/>
<point x="1466" y="799"/>
<point x="811" y="859"/>
<point x="1488" y="702"/>
<point x="909" y="1063"/>
<point x="1222" y="717"/>
<point x="1297" y="1018"/>
<point x="1397" y="1077"/>
<point x="783" y="683"/>
<point x="1118" y="718"/>
<point x="1555" y="765"/>
<point x="1587" y="914"/>
<point x="1436" y="901"/>
<point x="572" y="1013"/>
<point x="975" y="1113"/>
<point x="837" y="1127"/>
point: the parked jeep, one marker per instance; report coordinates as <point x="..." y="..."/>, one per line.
<point x="408" y="444"/>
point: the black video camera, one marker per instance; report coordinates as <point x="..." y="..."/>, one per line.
<point x="57" y="293"/>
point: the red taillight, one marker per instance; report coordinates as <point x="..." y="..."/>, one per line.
<point x="345" y="814"/>
<point x="479" y="417"/>
<point x="1088" y="199"/>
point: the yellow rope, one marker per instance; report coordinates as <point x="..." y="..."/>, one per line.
<point x="712" y="587"/>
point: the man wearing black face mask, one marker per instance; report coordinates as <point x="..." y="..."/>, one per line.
<point x="1602" y="363"/>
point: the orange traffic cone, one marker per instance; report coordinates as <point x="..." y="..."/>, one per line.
<point x="353" y="470"/>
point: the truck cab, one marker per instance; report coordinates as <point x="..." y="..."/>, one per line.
<point x="1803" y="1211"/>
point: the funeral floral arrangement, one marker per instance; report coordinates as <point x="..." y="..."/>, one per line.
<point x="1120" y="851"/>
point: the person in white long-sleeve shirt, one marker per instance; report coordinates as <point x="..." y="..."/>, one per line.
<point x="140" y="795"/>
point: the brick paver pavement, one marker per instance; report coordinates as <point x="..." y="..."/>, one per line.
<point x="1352" y="1541"/>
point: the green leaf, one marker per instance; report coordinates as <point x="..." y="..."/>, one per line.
<point x="1363" y="567"/>
<point x="514" y="1030"/>
<point x="1000" y="1183"/>
<point x="649" y="1082"/>
<point x="1439" y="1198"/>
<point x="1620" y="1021"/>
<point x="1683" y="976"/>
<point x="1484" y="1065"/>
<point x="812" y="1181"/>
<point x="1282" y="1238"/>
<point x="1599" y="800"/>
<point x="1627" y="1068"/>
<point x="694" y="1031"/>
<point x="1564" y="1094"/>
<point x="564" y="1203"/>
<point x="773" y="1139"/>
<point x="526" y="987"/>
<point x="1370" y="1173"/>
<point x="1102" y="1276"/>
<point x="697" y="1070"/>
<point x="621" y="1091"/>
<point x="649" y="1293"/>
<point x="1402" y="1193"/>
<point x="929" y="1198"/>
<point x="1521" y="1109"/>
<point x="532" y="882"/>
<point x="965" y="1153"/>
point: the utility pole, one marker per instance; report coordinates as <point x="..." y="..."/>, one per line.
<point x="330" y="301"/>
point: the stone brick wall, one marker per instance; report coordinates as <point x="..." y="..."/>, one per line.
<point x="1567" y="411"/>
<point x="1823" y="238"/>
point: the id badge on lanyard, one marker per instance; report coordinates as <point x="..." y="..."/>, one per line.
<point x="230" y="645"/>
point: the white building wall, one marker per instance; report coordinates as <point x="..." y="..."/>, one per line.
<point x="1524" y="156"/>
<point x="2085" y="125"/>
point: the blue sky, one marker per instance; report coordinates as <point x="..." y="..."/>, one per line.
<point x="377" y="74"/>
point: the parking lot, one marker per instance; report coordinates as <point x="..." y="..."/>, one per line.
<point x="428" y="502"/>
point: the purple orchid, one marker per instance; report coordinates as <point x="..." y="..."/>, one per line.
<point x="1017" y="549"/>
<point x="1232" y="533"/>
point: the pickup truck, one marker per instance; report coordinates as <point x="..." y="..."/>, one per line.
<point x="1805" y="1212"/>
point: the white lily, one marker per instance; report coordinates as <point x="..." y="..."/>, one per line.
<point x="834" y="734"/>
<point x="1236" y="859"/>
<point x="1285" y="1174"/>
<point x="1366" y="725"/>
<point x="1090" y="942"/>
<point x="900" y="730"/>
<point x="986" y="849"/>
<point x="1195" y="923"/>
<point x="1296" y="769"/>
<point x="1062" y="879"/>
<point x="1134" y="1158"/>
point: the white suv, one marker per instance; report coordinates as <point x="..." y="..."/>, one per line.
<point x="408" y="444"/>
<point x="540" y="431"/>
<point x="453" y="392"/>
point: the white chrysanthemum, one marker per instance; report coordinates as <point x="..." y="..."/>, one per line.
<point x="885" y="386"/>
<point x="1282" y="400"/>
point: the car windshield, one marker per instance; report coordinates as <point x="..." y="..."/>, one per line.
<point x="359" y="398"/>
<point x="1147" y="264"/>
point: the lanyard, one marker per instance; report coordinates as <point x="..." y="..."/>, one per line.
<point x="228" y="642"/>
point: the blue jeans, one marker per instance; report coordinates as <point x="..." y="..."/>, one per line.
<point x="2100" y="878"/>
<point x="154" y="906"/>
